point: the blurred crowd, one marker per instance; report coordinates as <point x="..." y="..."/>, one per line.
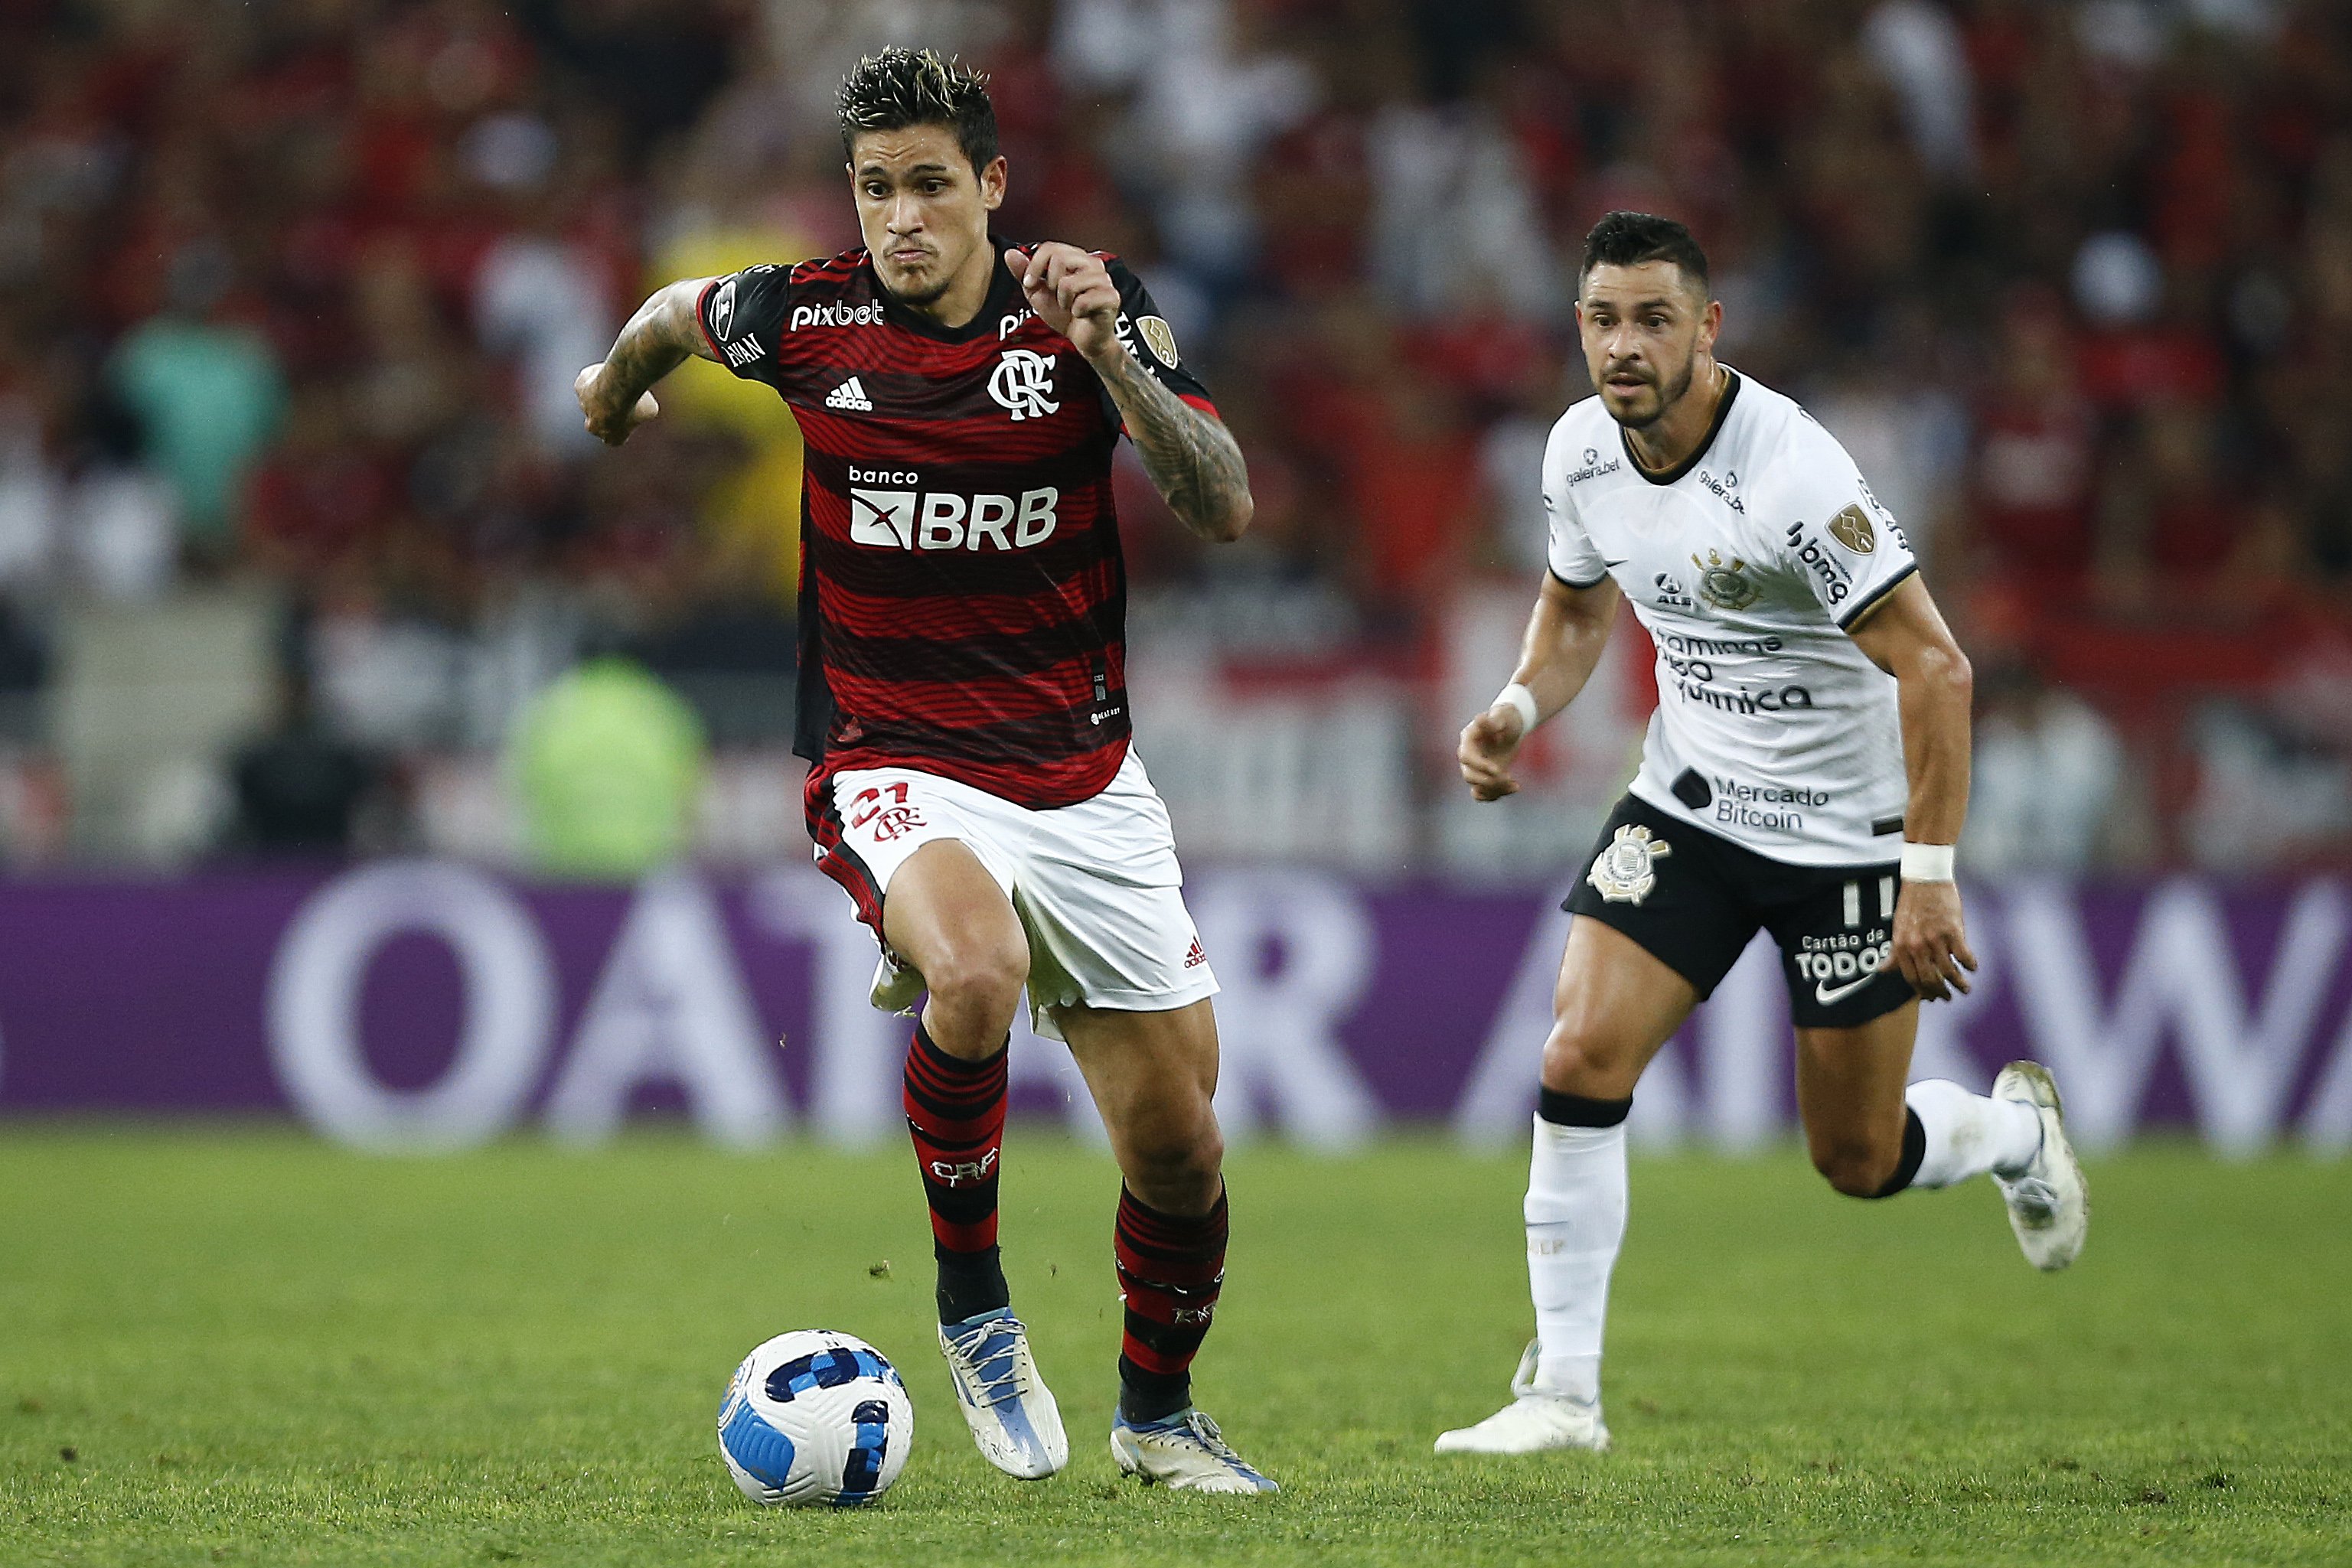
<point x="294" y="291"/>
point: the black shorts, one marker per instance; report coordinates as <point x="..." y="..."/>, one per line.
<point x="1694" y="899"/>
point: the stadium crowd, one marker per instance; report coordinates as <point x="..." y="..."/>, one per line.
<point x="294" y="292"/>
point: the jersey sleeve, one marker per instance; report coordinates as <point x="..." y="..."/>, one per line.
<point x="743" y="317"/>
<point x="1148" y="337"/>
<point x="1849" y="550"/>
<point x="1570" y="554"/>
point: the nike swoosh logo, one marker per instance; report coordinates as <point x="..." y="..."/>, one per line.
<point x="1612" y="565"/>
<point x="1825" y="996"/>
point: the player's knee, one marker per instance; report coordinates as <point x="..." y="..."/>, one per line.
<point x="1178" y="1161"/>
<point x="1858" y="1167"/>
<point x="1579" y="1059"/>
<point x="978" y="983"/>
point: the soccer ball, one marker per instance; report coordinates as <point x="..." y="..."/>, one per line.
<point x="814" y="1416"/>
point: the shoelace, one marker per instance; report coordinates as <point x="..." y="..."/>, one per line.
<point x="1007" y="1382"/>
<point x="2035" y="1194"/>
<point x="1204" y="1432"/>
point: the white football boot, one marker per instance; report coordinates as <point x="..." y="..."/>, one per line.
<point x="1534" y="1421"/>
<point x="1183" y="1453"/>
<point x="1012" y="1414"/>
<point x="2049" y="1201"/>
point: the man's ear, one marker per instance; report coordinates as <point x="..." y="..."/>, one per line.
<point x="1709" y="324"/>
<point x="992" y="182"/>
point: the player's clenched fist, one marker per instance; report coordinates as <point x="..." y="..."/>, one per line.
<point x="1931" y="946"/>
<point x="1489" y="744"/>
<point x="606" y="423"/>
<point x="1072" y="290"/>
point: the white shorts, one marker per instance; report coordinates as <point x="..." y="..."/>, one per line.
<point x="1096" y="885"/>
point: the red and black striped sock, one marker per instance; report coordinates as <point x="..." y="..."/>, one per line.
<point x="1170" y="1268"/>
<point x="955" y="1112"/>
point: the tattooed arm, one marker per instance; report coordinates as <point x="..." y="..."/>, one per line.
<point x="1189" y="455"/>
<point x="1189" y="452"/>
<point x="615" y="396"/>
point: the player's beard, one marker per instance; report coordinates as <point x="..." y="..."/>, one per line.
<point x="918" y="297"/>
<point x="1670" y="393"/>
<point x="935" y="281"/>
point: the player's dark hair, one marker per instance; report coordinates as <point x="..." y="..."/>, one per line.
<point x="1629" y="239"/>
<point x="899" y="87"/>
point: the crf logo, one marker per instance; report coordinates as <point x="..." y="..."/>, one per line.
<point x="1024" y="377"/>
<point x="884" y="820"/>
<point x="955" y="1172"/>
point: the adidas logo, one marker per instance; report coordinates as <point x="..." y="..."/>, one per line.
<point x="1194" y="960"/>
<point x="850" y="395"/>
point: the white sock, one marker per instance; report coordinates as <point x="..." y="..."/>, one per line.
<point x="1576" y="1222"/>
<point x="1969" y="1134"/>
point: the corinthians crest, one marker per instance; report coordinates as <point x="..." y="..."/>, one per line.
<point x="1724" y="586"/>
<point x="1626" y="870"/>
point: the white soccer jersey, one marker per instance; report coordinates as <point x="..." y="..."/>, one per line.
<point x="1746" y="564"/>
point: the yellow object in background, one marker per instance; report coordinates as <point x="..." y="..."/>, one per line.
<point x="754" y="516"/>
<point x="607" y="766"/>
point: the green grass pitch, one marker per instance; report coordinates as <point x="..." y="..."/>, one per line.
<point x="231" y="1345"/>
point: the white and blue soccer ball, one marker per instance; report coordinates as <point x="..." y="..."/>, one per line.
<point x="814" y="1417"/>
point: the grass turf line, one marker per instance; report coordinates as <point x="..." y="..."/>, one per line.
<point x="258" y="1349"/>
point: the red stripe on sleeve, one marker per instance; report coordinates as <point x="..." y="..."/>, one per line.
<point x="1203" y="404"/>
<point x="699" y="301"/>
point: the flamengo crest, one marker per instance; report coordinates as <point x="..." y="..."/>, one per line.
<point x="1024" y="377"/>
<point x="1626" y="870"/>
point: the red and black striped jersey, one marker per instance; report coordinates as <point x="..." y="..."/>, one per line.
<point x="963" y="600"/>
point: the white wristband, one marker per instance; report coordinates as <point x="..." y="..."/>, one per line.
<point x="1927" y="863"/>
<point x="1521" y="701"/>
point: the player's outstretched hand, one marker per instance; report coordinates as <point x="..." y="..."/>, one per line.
<point x="608" y="424"/>
<point x="1489" y="744"/>
<point x="1072" y="290"/>
<point x="1931" y="946"/>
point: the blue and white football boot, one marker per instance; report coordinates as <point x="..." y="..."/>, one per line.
<point x="1012" y="1414"/>
<point x="1183" y="1452"/>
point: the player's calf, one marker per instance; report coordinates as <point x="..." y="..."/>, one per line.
<point x="1171" y="1270"/>
<point x="955" y="1116"/>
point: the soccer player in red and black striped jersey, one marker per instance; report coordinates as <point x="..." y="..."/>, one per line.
<point x="964" y="702"/>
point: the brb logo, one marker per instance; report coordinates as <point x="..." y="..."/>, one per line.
<point x="1023" y="382"/>
<point x="912" y="519"/>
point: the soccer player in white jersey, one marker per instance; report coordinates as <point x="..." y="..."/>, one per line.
<point x="1806" y="772"/>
